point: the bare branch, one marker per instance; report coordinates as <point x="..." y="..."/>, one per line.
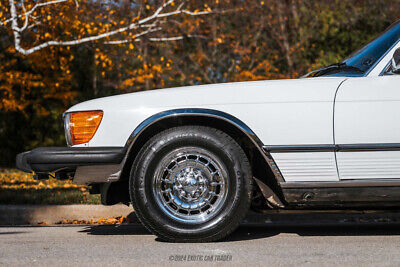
<point x="177" y="12"/>
<point x="175" y="38"/>
<point x="156" y="39"/>
<point x="117" y="42"/>
<point x="26" y="17"/>
<point x="140" y="24"/>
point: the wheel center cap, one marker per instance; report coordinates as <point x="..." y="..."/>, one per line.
<point x="188" y="178"/>
<point x="190" y="183"/>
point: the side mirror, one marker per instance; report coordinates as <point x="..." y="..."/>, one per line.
<point x="396" y="61"/>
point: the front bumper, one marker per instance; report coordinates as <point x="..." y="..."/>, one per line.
<point x="46" y="160"/>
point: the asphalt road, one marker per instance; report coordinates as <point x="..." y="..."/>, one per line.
<point x="353" y="243"/>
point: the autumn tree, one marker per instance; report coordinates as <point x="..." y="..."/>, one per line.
<point x="55" y="53"/>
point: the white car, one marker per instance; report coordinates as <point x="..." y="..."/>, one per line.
<point x="192" y="160"/>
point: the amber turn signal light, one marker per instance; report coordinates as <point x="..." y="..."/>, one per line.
<point x="81" y="126"/>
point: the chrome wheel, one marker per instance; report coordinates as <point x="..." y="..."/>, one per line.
<point x="190" y="185"/>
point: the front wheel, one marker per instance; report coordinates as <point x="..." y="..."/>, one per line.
<point x="191" y="184"/>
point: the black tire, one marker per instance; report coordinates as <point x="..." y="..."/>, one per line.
<point x="238" y="187"/>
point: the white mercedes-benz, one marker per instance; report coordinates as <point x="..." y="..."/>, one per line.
<point x="193" y="160"/>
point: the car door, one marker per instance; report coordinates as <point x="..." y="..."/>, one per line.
<point x="367" y="128"/>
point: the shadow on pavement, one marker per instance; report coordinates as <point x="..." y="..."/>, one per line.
<point x="251" y="232"/>
<point x="133" y="228"/>
<point x="258" y="226"/>
<point x="123" y="229"/>
<point x="12" y="233"/>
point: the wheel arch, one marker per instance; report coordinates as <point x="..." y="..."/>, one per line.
<point x="262" y="164"/>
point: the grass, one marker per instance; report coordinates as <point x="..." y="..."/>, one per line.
<point x="17" y="187"/>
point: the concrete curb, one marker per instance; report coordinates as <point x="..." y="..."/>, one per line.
<point x="35" y="214"/>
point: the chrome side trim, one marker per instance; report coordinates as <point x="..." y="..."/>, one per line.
<point x="205" y="113"/>
<point x="342" y="184"/>
<point x="333" y="148"/>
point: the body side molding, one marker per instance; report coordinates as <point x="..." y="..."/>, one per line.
<point x="369" y="147"/>
<point x="299" y="148"/>
<point x="332" y="148"/>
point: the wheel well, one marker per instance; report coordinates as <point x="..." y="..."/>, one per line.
<point x="260" y="167"/>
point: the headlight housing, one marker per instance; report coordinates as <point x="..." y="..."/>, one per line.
<point x="81" y="126"/>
